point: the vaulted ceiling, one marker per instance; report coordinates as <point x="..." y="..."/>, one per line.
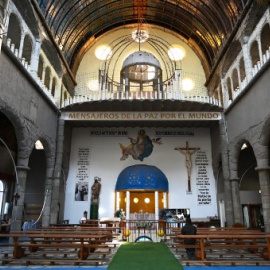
<point x="205" y="25"/>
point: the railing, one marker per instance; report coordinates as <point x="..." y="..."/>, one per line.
<point x="255" y="69"/>
<point x="169" y="93"/>
<point x="105" y="95"/>
<point x="148" y="230"/>
<point x="27" y="67"/>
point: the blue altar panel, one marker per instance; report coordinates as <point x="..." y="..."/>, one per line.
<point x="142" y="177"/>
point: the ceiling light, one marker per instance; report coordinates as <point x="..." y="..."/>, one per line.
<point x="147" y="200"/>
<point x="176" y="53"/>
<point x="135" y="200"/>
<point x="188" y="84"/>
<point x="103" y="52"/>
<point x="140" y="35"/>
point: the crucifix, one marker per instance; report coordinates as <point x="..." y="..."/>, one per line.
<point x="187" y="151"/>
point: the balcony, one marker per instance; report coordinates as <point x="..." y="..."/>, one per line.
<point x="90" y="89"/>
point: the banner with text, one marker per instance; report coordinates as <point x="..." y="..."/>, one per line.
<point x="140" y="116"/>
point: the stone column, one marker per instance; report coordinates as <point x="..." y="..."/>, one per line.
<point x="237" y="209"/>
<point x="225" y="92"/>
<point x="43" y="74"/>
<point x="35" y="59"/>
<point x="247" y="59"/>
<point x="51" y="82"/>
<point x="57" y="172"/>
<point x="220" y="96"/>
<point x="21" y="46"/>
<point x="57" y="93"/>
<point x="127" y="205"/>
<point x="18" y="201"/>
<point x="48" y="192"/>
<point x="156" y="206"/>
<point x="226" y="173"/>
<point x="265" y="194"/>
<point x="239" y="78"/>
<point x="260" y="50"/>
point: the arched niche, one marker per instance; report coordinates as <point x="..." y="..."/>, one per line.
<point x="146" y="183"/>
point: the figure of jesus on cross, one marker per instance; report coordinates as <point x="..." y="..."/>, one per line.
<point x="187" y="151"/>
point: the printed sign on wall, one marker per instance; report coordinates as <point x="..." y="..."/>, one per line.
<point x="82" y="175"/>
<point x="202" y="180"/>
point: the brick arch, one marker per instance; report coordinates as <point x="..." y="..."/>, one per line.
<point x="265" y="132"/>
<point x="14" y="30"/>
<point x="235" y="149"/>
<point x="20" y="130"/>
<point x="49" y="154"/>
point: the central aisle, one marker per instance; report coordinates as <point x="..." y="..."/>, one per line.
<point x="144" y="256"/>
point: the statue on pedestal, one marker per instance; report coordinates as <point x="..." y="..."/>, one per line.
<point x="96" y="187"/>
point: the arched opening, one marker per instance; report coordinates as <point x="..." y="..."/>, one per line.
<point x="47" y="77"/>
<point x="249" y="187"/>
<point x="40" y="67"/>
<point x="27" y="49"/>
<point x="35" y="184"/>
<point x="229" y="88"/>
<point x="14" y="31"/>
<point x="8" y="151"/>
<point x="254" y="53"/>
<point x="242" y="70"/>
<point x="53" y="86"/>
<point x="265" y="38"/>
<point x="235" y="80"/>
<point x="146" y="188"/>
<point x="231" y="56"/>
<point x="65" y="95"/>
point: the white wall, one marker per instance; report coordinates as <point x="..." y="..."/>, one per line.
<point x="105" y="163"/>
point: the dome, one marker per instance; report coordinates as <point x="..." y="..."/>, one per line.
<point x="140" y="58"/>
<point x="142" y="177"/>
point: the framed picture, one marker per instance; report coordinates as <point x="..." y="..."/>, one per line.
<point x="81" y="191"/>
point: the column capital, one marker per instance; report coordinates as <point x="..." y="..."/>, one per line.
<point x="235" y="179"/>
<point x="23" y="168"/>
<point x="265" y="168"/>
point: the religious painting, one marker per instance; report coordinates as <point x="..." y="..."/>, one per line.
<point x="140" y="147"/>
<point x="81" y="191"/>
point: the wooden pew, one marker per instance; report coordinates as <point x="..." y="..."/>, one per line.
<point x="206" y="243"/>
<point x="87" y="230"/>
<point x="114" y="230"/>
<point x="217" y="231"/>
<point x="54" y="243"/>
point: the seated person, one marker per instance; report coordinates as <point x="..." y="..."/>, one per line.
<point x="189" y="229"/>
